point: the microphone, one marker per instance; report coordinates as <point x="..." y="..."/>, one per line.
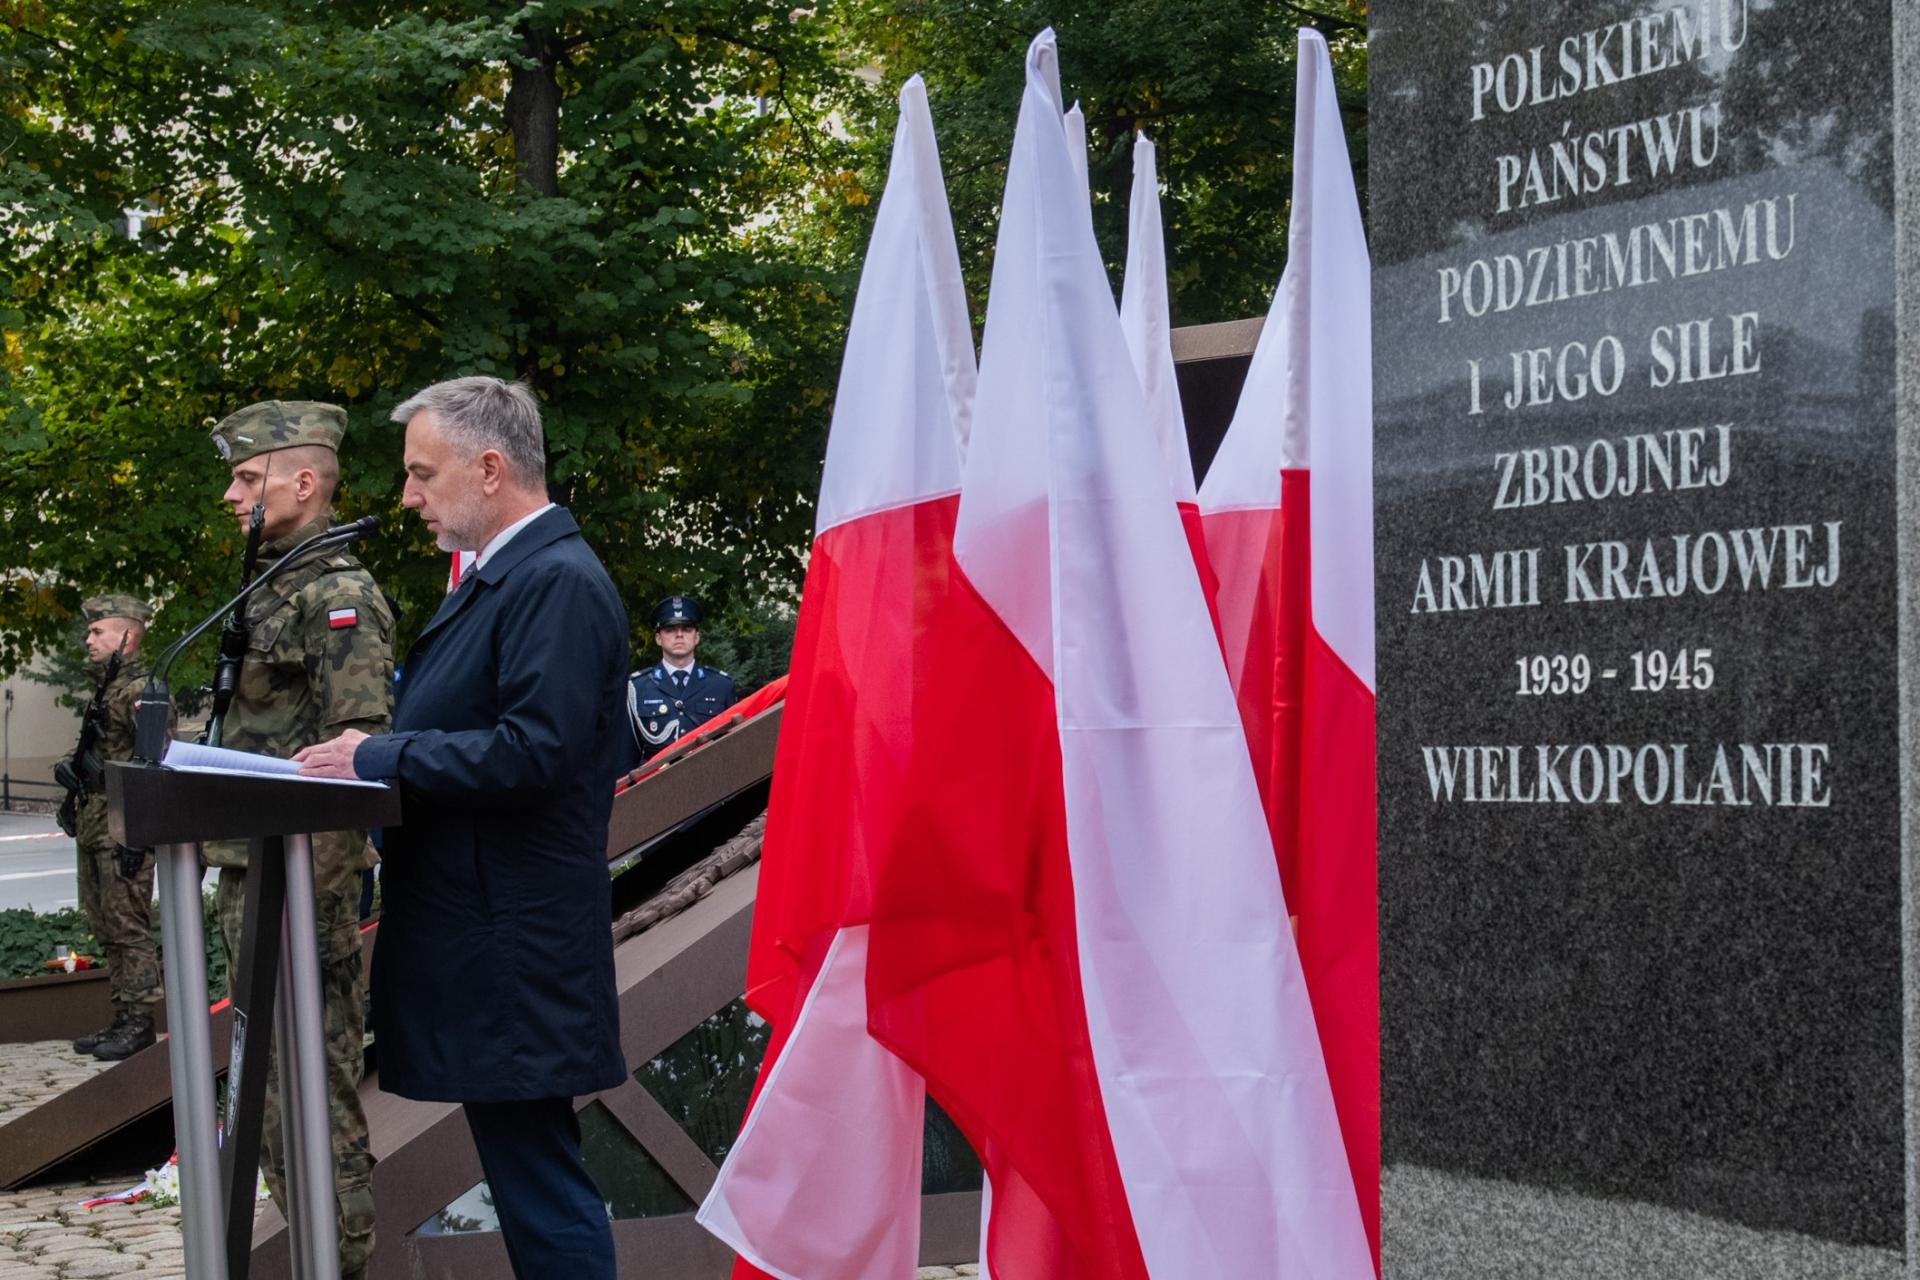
<point x="151" y="709"/>
<point x="354" y="530"/>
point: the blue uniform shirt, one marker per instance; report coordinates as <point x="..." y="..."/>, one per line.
<point x="659" y="711"/>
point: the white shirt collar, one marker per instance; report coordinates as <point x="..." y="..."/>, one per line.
<point x="505" y="536"/>
<point x="667" y="664"/>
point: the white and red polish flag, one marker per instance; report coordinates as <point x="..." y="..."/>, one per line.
<point x="1240" y="505"/>
<point x="824" y="1179"/>
<point x="1119" y="1027"/>
<point x="1288" y="511"/>
<point x="1075" y="122"/>
<point x="1146" y="320"/>
<point x="459" y="566"/>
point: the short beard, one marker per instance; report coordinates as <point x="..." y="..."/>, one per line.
<point x="461" y="527"/>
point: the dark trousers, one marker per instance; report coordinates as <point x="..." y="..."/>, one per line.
<point x="551" y="1214"/>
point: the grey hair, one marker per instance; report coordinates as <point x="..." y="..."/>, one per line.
<point x="480" y="413"/>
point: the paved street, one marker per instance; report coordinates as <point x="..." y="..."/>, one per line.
<point x="36" y="863"/>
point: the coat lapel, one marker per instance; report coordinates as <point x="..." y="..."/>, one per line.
<point x="549" y="528"/>
<point x="454" y="602"/>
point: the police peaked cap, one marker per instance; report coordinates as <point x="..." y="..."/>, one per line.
<point x="676" y="611"/>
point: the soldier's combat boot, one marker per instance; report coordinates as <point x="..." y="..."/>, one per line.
<point x="87" y="1042"/>
<point x="133" y="1036"/>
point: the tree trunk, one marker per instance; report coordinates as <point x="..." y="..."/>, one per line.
<point x="533" y="114"/>
<point x="533" y="117"/>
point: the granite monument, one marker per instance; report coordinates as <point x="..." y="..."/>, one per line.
<point x="1645" y="553"/>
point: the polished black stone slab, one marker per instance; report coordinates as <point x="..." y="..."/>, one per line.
<point x="1641" y="917"/>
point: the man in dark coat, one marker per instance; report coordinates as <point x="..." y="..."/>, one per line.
<point x="493" y="983"/>
<point x="677" y="694"/>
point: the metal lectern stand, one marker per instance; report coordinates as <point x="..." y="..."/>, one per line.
<point x="174" y="811"/>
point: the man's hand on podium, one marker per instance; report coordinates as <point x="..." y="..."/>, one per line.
<point x="332" y="759"/>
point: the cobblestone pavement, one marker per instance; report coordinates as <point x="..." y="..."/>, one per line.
<point x="32" y="1072"/>
<point x="46" y="1235"/>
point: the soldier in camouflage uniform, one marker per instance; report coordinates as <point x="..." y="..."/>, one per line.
<point x="119" y="906"/>
<point x="319" y="660"/>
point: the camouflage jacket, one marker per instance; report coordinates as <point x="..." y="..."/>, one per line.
<point x="319" y="660"/>
<point x="116" y="738"/>
<point x="114" y="743"/>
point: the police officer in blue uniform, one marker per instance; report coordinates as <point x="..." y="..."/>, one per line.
<point x="676" y="694"/>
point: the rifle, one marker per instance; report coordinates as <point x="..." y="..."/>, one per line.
<point x="153" y="709"/>
<point x="235" y="635"/>
<point x="85" y="773"/>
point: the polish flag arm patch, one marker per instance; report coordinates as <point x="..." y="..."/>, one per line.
<point x="338" y="618"/>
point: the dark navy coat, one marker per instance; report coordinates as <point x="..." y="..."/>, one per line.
<point x="493" y="978"/>
<point x="658" y="713"/>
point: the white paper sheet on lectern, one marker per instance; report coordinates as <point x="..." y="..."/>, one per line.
<point x="192" y="757"/>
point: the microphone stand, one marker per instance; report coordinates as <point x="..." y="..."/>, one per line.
<point x="154" y="708"/>
<point x="234" y="636"/>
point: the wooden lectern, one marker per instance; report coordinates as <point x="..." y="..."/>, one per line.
<point x="173" y="811"/>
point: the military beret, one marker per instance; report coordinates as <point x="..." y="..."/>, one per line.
<point x="676" y="611"/>
<point x="100" y="608"/>
<point x="279" y="424"/>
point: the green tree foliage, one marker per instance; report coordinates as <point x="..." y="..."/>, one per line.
<point x="348" y="201"/>
<point x="755" y="649"/>
<point x="1210" y="81"/>
<point x="652" y="210"/>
